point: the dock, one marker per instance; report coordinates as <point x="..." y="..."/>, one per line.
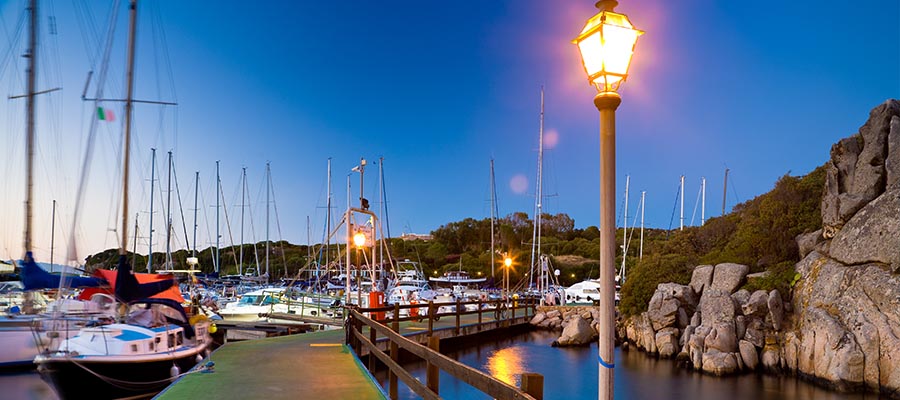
<point x="320" y="365"/>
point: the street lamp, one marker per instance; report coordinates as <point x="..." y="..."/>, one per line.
<point x="607" y="43"/>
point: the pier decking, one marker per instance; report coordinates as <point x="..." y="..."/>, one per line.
<point x="317" y="365"/>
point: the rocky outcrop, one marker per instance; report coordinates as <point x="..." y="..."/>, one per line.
<point x="577" y="332"/>
<point x="840" y="324"/>
<point x="857" y="172"/>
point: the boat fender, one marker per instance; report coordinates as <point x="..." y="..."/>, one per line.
<point x="213" y="328"/>
<point x="199" y="358"/>
<point x="174" y="371"/>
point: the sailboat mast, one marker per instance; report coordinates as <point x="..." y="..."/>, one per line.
<point x="625" y="234"/>
<point x="196" y="193"/>
<point x="703" y="201"/>
<point x="29" y="130"/>
<point x="169" y="217"/>
<point x="724" y="191"/>
<point x="129" y="109"/>
<point x="380" y="210"/>
<point x="134" y="248"/>
<point x="328" y="219"/>
<point x="218" y="188"/>
<point x="268" y="189"/>
<point x="681" y="228"/>
<point x="152" y="188"/>
<point x="349" y="241"/>
<point x="53" y="232"/>
<point x="243" y="194"/>
<point x="536" y="235"/>
<point x="641" y="252"/>
<point x="493" y="252"/>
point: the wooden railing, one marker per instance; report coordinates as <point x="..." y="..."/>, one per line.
<point x="503" y="312"/>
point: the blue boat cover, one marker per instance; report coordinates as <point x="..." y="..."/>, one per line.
<point x="34" y="277"/>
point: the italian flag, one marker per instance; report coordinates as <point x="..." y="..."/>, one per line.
<point x="105" y="114"/>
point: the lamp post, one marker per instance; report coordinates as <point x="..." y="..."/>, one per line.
<point x="606" y="43"/>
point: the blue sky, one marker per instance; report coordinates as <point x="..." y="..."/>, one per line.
<point x="438" y="89"/>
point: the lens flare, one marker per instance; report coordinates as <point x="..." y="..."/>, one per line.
<point x="518" y="184"/>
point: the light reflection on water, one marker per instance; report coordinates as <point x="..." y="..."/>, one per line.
<point x="571" y="374"/>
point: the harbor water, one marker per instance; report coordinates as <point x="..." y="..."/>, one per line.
<point x="571" y="374"/>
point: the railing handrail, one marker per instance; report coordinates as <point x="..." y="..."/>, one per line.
<point x="519" y="304"/>
<point x="477" y="379"/>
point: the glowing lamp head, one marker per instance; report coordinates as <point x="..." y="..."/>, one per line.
<point x="359" y="239"/>
<point x="606" y="44"/>
<point x="507" y="262"/>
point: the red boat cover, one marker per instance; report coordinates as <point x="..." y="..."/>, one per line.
<point x="172" y="293"/>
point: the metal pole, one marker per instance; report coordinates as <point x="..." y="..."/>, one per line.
<point x="129" y="109"/>
<point x="681" y="228"/>
<point x="53" y="232"/>
<point x="641" y="252"/>
<point x="724" y="191"/>
<point x="493" y="262"/>
<point x="243" y="194"/>
<point x="196" y="194"/>
<point x="29" y="130"/>
<point x="152" y="188"/>
<point x="268" y="189"/>
<point x="606" y="103"/>
<point x="218" y="188"/>
<point x="703" y="201"/>
<point x="169" y="217"/>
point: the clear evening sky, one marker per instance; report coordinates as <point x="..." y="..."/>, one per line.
<point x="437" y="89"/>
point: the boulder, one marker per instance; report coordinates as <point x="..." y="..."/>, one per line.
<point x="872" y="235"/>
<point x="716" y="306"/>
<point x="728" y="276"/>
<point x="695" y="350"/>
<point x="662" y="311"/>
<point x="701" y="278"/>
<point x="748" y="354"/>
<point x="683" y="293"/>
<point x="578" y="332"/>
<point x="770" y="358"/>
<point x="721" y="338"/>
<point x="740" y="297"/>
<point x="740" y="326"/>
<point x="667" y="342"/>
<point x="538" y="318"/>
<point x="553" y="314"/>
<point x="757" y="305"/>
<point x="892" y="163"/>
<point x="718" y="363"/>
<point x="807" y="242"/>
<point x="776" y="309"/>
<point x="682" y="318"/>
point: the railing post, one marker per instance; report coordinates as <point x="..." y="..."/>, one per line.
<point x="458" y="306"/>
<point x="480" y="306"/>
<point x="431" y="317"/>
<point x="432" y="373"/>
<point x="395" y="353"/>
<point x="533" y="384"/>
<point x="372" y="358"/>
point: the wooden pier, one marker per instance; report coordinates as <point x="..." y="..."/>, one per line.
<point x="327" y="364"/>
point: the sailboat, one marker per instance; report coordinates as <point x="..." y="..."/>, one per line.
<point x="25" y="335"/>
<point x="152" y="340"/>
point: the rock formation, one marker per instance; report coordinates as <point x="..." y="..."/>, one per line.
<point x="841" y="324"/>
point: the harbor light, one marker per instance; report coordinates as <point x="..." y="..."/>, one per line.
<point x="507" y="262"/>
<point x="607" y="44"/>
<point x="359" y="239"/>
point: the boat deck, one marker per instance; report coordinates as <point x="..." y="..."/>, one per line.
<point x="313" y="365"/>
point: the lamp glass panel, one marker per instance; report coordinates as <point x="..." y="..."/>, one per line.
<point x="618" y="45"/>
<point x="592" y="53"/>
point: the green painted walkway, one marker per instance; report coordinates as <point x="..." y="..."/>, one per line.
<point x="308" y="366"/>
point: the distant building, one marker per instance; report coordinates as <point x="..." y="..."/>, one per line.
<point x="415" y="236"/>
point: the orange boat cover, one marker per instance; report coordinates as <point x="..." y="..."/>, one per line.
<point x="172" y="293"/>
